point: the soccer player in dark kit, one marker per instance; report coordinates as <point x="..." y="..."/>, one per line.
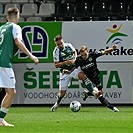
<point x="88" y="64"/>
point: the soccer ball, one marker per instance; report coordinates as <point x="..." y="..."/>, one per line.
<point x="75" y="106"/>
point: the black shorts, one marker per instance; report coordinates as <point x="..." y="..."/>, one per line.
<point x="96" y="81"/>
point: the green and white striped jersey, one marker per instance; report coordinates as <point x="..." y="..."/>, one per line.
<point x="62" y="55"/>
<point x="8" y="32"/>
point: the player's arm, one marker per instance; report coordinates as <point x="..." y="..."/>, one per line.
<point x="66" y="62"/>
<point x="17" y="34"/>
<point x="61" y="64"/>
<point x="57" y="63"/>
<point x="109" y="49"/>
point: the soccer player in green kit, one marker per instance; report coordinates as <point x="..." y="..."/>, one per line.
<point x="10" y="39"/>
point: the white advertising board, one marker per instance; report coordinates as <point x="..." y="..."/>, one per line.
<point x="101" y="35"/>
<point x="38" y="84"/>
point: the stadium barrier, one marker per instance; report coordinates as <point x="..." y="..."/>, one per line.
<point x="38" y="84"/>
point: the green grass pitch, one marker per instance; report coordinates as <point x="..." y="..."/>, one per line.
<point x="87" y="120"/>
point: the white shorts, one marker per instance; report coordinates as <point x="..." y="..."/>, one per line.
<point x="66" y="78"/>
<point x="7" y="78"/>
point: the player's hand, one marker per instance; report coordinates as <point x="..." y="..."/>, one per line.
<point x="65" y="71"/>
<point x="115" y="46"/>
<point x="35" y="59"/>
<point x="69" y="62"/>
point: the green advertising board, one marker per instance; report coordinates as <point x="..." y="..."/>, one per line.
<point x="39" y="39"/>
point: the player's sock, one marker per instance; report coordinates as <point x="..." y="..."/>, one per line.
<point x="59" y="98"/>
<point x="88" y="85"/>
<point x="89" y="94"/>
<point x="3" y="112"/>
<point x="105" y="102"/>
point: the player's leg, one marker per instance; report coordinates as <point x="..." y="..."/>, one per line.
<point x="106" y="103"/>
<point x="5" y="105"/>
<point x="7" y="100"/>
<point x="78" y="74"/>
<point x="60" y="95"/>
<point x="63" y="86"/>
<point x="97" y="86"/>
<point x="7" y="81"/>
<point x="96" y="82"/>
<point x="86" y="93"/>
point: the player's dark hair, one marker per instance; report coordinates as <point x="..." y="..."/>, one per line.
<point x="57" y="38"/>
